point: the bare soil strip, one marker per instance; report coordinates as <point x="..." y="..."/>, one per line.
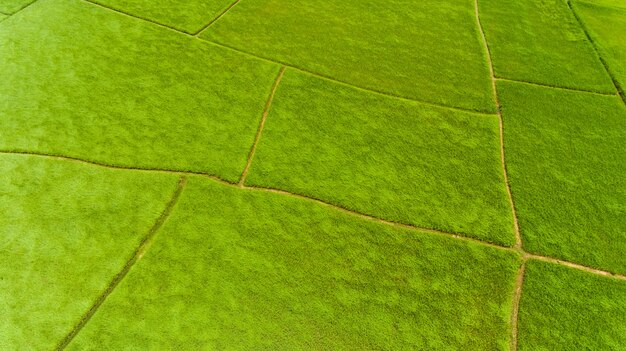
<point x="576" y="266"/>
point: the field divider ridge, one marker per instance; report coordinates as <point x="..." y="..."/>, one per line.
<point x="333" y="206"/>
<point x="517" y="297"/>
<point x="137" y="255"/>
<point x="259" y="131"/>
<point x="318" y="75"/>
<point x="552" y="86"/>
<point x="120" y="12"/>
<point x="518" y="236"/>
<point x="514" y="321"/>
<point x="216" y="18"/>
<point x="618" y="87"/>
<point x="19" y="10"/>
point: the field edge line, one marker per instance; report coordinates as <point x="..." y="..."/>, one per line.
<point x="583" y="27"/>
<point x="517" y="297"/>
<point x="516" y="228"/>
<point x="576" y="266"/>
<point x="304" y="70"/>
<point x="137" y="255"/>
<point x="222" y="14"/>
<point x="220" y="181"/>
<point x="259" y="131"/>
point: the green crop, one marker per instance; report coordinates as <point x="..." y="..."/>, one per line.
<point x="566" y="309"/>
<point x="241" y="270"/>
<point x="393" y="159"/>
<point x="66" y="230"/>
<point x="540" y="41"/>
<point x="371" y="44"/>
<point x="90" y="83"/>
<point x="565" y="155"/>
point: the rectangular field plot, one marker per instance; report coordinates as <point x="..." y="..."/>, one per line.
<point x="402" y="161"/>
<point x="82" y="81"/>
<point x="566" y="160"/>
<point x="564" y="309"/>
<point x="66" y="230"/>
<point x="246" y="269"/>
<point x="186" y="15"/>
<point x="540" y="41"/>
<point x="606" y="22"/>
<point x="374" y="45"/>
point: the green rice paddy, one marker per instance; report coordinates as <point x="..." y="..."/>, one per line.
<point x="312" y="175"/>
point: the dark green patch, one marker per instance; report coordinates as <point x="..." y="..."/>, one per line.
<point x="567" y="309"/>
<point x="82" y="81"/>
<point x="66" y="230"/>
<point x="426" y="50"/>
<point x="398" y="160"/>
<point x="242" y="270"/>
<point x="566" y="161"/>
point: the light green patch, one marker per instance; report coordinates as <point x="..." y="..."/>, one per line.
<point x="186" y="15"/>
<point x="66" y="230"/>
<point x="402" y="161"/>
<point x="82" y="81"/>
<point x="566" y="161"/>
<point x="241" y="270"/>
<point x="9" y="7"/>
<point x="426" y="50"/>
<point x="540" y="41"/>
<point x="567" y="309"/>
<point x="606" y="22"/>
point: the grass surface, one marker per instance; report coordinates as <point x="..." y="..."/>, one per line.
<point x="9" y="7"/>
<point x="398" y="160"/>
<point x="444" y="62"/>
<point x="364" y="205"/>
<point x="540" y="41"/>
<point x="185" y="15"/>
<point x="86" y="82"/>
<point x="606" y="22"/>
<point x="66" y="230"/>
<point x="230" y="271"/>
<point x="566" y="161"/>
<point x="566" y="309"/>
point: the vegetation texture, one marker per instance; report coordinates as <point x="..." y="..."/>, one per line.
<point x="333" y="37"/>
<point x="399" y="160"/>
<point x="9" y="7"/>
<point x="540" y="41"/>
<point x="565" y="309"/>
<point x="312" y="175"/>
<point x="66" y="230"/>
<point x="230" y="271"/>
<point x="86" y="82"/>
<point x="606" y="22"/>
<point x="185" y="15"/>
<point x="566" y="160"/>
